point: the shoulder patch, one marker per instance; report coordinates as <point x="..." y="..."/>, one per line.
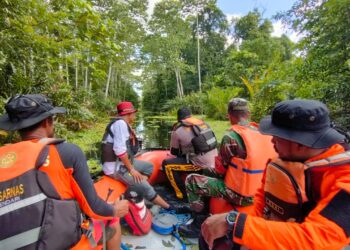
<point x="338" y="211"/>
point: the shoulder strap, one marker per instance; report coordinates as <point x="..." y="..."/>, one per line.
<point x="109" y="131"/>
<point x="108" y="128"/>
<point x="45" y="151"/>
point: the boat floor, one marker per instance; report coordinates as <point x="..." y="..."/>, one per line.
<point x="153" y="240"/>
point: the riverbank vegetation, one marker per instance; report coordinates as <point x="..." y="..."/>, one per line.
<point x="88" y="55"/>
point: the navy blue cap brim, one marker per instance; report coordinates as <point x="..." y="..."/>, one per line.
<point x="314" y="139"/>
<point x="7" y="124"/>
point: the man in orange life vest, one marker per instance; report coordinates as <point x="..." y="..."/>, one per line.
<point x="194" y="145"/>
<point x="304" y="200"/>
<point x="237" y="175"/>
<point x="45" y="186"/>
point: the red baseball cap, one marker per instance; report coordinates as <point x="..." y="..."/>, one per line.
<point x="124" y="108"/>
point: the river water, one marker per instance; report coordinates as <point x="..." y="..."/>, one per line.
<point x="154" y="131"/>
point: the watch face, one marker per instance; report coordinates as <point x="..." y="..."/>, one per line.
<point x="231" y="217"/>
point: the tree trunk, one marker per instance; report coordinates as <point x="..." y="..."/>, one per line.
<point x="180" y="84"/>
<point x="198" y="59"/>
<point x="67" y="70"/>
<point x="76" y="72"/>
<point x="108" y="78"/>
<point x="86" y="78"/>
<point x="31" y="65"/>
<point x="177" y="84"/>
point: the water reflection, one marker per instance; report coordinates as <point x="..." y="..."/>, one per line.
<point x="154" y="131"/>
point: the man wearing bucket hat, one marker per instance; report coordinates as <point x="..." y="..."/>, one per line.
<point x="304" y="200"/>
<point x="237" y="175"/>
<point x="53" y="192"/>
<point x="119" y="145"/>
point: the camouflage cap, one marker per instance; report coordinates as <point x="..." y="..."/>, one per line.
<point x="237" y="104"/>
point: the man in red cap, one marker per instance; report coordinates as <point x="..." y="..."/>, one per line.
<point x="119" y="147"/>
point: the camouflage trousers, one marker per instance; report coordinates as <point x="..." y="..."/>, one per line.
<point x="199" y="187"/>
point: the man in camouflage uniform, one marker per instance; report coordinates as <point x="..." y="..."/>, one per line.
<point x="212" y="184"/>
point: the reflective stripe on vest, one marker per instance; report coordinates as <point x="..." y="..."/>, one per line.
<point x="244" y="176"/>
<point x="22" y="203"/>
<point x="21" y="240"/>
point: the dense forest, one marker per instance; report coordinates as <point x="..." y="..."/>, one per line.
<point x="89" y="54"/>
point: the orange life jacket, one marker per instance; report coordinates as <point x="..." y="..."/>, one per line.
<point x="293" y="188"/>
<point x="53" y="211"/>
<point x="244" y="176"/>
<point x="31" y="208"/>
<point x="204" y="138"/>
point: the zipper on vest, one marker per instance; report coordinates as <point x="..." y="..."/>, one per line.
<point x="295" y="184"/>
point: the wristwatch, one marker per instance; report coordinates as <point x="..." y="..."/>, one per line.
<point x="231" y="218"/>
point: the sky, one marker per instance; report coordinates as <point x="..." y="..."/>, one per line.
<point x="268" y="8"/>
<point x="242" y="7"/>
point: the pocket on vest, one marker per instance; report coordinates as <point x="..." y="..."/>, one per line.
<point x="61" y="225"/>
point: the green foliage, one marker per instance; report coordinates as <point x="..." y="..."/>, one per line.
<point x="325" y="70"/>
<point x="195" y="101"/>
<point x="217" y="100"/>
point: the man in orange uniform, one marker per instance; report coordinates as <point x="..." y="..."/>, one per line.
<point x="304" y="201"/>
<point x="239" y="167"/>
<point x="45" y="188"/>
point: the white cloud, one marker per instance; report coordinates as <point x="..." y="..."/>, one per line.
<point x="279" y="29"/>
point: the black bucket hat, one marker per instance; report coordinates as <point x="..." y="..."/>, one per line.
<point x="183" y="113"/>
<point x="303" y="121"/>
<point x="26" y="110"/>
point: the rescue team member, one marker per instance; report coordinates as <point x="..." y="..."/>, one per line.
<point x="194" y="145"/>
<point x="41" y="209"/>
<point x="304" y="201"/>
<point x="118" y="150"/>
<point x="242" y="157"/>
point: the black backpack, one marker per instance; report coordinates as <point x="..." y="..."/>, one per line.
<point x="204" y="139"/>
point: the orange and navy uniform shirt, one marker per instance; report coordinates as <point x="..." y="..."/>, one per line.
<point x="67" y="169"/>
<point x="327" y="226"/>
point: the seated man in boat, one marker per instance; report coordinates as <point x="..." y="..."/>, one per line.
<point x="194" y="145"/>
<point x="119" y="147"/>
<point x="45" y="186"/>
<point x="239" y="167"/>
<point x="304" y="200"/>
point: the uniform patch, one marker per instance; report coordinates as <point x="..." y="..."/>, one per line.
<point x="8" y="160"/>
<point x="338" y="211"/>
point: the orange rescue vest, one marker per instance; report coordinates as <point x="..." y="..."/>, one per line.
<point x="244" y="176"/>
<point x="293" y="188"/>
<point x="30" y="206"/>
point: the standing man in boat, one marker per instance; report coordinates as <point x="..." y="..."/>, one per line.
<point x="45" y="185"/>
<point x="194" y="145"/>
<point x="304" y="200"/>
<point x="238" y="168"/>
<point x="119" y="147"/>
